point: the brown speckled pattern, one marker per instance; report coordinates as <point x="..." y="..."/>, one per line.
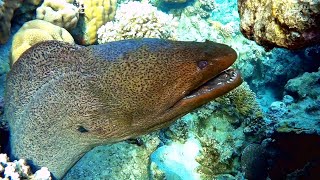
<point x="62" y="100"/>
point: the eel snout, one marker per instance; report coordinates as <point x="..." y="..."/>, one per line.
<point x="217" y="78"/>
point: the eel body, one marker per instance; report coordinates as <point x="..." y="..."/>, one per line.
<point x="62" y="100"/>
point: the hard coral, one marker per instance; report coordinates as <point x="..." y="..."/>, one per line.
<point x="306" y="85"/>
<point x="59" y="12"/>
<point x="95" y="14"/>
<point x="17" y="170"/>
<point x="290" y="24"/>
<point x="137" y="20"/>
<point x="203" y="8"/>
<point x="244" y="101"/>
<point x="36" y="31"/>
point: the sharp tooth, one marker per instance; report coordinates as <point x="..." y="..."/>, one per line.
<point x="228" y="82"/>
<point x="219" y="83"/>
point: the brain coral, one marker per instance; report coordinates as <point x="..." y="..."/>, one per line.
<point x="137" y="20"/>
<point x="59" y="12"/>
<point x="36" y="31"/>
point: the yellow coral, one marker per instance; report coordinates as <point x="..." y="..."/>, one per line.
<point x="244" y="100"/>
<point x="97" y="13"/>
<point x="36" y="31"/>
<point x="59" y="12"/>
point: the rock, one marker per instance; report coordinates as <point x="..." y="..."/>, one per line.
<point x="7" y="8"/>
<point x="277" y="109"/>
<point x="281" y="23"/>
<point x="305" y="85"/>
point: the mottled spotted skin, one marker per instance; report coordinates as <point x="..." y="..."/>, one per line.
<point x="62" y="100"/>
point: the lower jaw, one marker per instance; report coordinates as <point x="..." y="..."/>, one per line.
<point x="218" y="86"/>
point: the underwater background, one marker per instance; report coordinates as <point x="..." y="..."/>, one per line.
<point x="267" y="128"/>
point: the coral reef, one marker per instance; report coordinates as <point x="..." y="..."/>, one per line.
<point x="95" y="14"/>
<point x="218" y="130"/>
<point x="20" y="170"/>
<point x="197" y="28"/>
<point x="226" y="30"/>
<point x="137" y="20"/>
<point x="36" y="31"/>
<point x="244" y="101"/>
<point x="299" y="109"/>
<point x="203" y="8"/>
<point x="59" y="12"/>
<point x="289" y="24"/>
<point x="306" y="85"/>
<point x="7" y="8"/>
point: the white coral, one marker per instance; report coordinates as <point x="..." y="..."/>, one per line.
<point x="17" y="170"/>
<point x="137" y="20"/>
<point x="42" y="174"/>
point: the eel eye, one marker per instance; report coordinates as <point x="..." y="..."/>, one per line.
<point x="82" y="129"/>
<point x="202" y="64"/>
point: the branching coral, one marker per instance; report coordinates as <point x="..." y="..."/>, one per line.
<point x="137" y="20"/>
<point x="17" y="170"/>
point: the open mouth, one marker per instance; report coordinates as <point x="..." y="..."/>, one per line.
<point x="215" y="87"/>
<point x="229" y="77"/>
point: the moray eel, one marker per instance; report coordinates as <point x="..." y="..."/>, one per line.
<point x="62" y="100"/>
